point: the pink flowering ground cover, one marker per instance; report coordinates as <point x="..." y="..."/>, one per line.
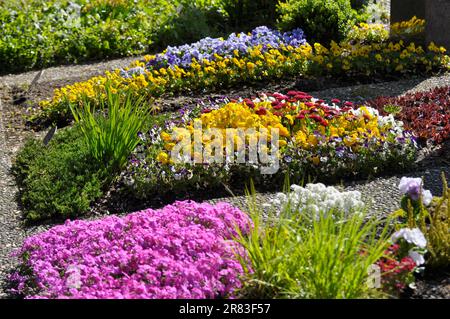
<point x="184" y="250"/>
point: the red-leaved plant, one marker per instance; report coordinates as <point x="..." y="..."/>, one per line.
<point x="427" y="114"/>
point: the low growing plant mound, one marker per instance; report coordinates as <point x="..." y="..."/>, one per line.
<point x="322" y="20"/>
<point x="314" y="139"/>
<point x="427" y="114"/>
<point x="180" y="251"/>
<point x="60" y="179"/>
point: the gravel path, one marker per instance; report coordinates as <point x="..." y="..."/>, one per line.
<point x="12" y="232"/>
<point x="79" y="72"/>
<point x="365" y="92"/>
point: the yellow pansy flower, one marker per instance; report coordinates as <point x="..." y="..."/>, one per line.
<point x="163" y="158"/>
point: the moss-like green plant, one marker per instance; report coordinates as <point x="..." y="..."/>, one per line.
<point x="58" y="180"/>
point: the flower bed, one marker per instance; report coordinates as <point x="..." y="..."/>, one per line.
<point x="427" y="114"/>
<point x="252" y="59"/>
<point x="208" y="48"/>
<point x="315" y="139"/>
<point x="191" y="250"/>
<point x="180" y="251"/>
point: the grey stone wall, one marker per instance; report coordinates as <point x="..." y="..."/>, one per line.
<point x="402" y="10"/>
<point x="437" y="28"/>
<point x="435" y="12"/>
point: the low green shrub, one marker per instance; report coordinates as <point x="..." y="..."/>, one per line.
<point x="244" y="15"/>
<point x="321" y="20"/>
<point x="296" y="255"/>
<point x="59" y="180"/>
<point x="192" y="22"/>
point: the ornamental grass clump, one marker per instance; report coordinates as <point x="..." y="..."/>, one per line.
<point x="111" y="137"/>
<point x="183" y="250"/>
<point x="297" y="254"/>
<point x="408" y="31"/>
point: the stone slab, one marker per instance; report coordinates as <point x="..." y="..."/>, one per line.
<point x="437" y="16"/>
<point x="403" y="10"/>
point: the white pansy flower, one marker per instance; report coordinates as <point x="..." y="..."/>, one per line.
<point x="417" y="257"/>
<point x="427" y="197"/>
<point x="412" y="236"/>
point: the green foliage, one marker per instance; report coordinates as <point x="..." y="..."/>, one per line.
<point x="111" y="137"/>
<point x="59" y="180"/>
<point x="36" y="34"/>
<point x="295" y="256"/>
<point x="321" y="20"/>
<point x="437" y="233"/>
<point x="361" y="9"/>
<point x="193" y="21"/>
<point x="245" y="15"/>
<point x="392" y="109"/>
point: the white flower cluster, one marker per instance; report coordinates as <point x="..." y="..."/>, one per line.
<point x="315" y="198"/>
<point x="413" y="237"/>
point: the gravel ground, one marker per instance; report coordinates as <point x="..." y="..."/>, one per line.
<point x="78" y="72"/>
<point x="12" y="231"/>
<point x="366" y="92"/>
<point x="381" y="191"/>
